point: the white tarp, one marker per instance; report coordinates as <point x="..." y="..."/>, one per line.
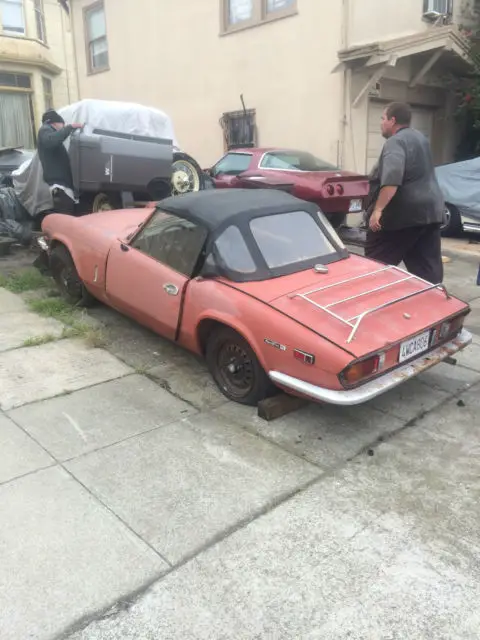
<point x="460" y="185"/>
<point x="122" y="117"/>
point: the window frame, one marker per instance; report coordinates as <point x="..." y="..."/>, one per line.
<point x="99" y="5"/>
<point x="47" y="86"/>
<point x="144" y="226"/>
<point x="260" y="15"/>
<point x="230" y="119"/>
<point x="10" y="32"/>
<point x="40" y="21"/>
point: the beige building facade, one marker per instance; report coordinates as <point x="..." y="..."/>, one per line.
<point x="37" y="66"/>
<point x="309" y="74"/>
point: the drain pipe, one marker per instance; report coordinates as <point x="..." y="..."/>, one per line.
<point x="347" y="75"/>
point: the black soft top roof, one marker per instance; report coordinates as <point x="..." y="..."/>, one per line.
<point x="217" y="209"/>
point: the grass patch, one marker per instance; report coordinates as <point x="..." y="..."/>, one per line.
<point x="35" y="341"/>
<point x="26" y="280"/>
<point x="72" y="317"/>
<point x="94" y="338"/>
<point x="54" y="308"/>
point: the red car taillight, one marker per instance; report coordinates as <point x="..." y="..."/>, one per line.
<point x="340" y="190"/>
<point x="330" y="189"/>
<point x="362" y="369"/>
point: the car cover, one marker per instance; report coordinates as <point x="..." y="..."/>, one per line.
<point x="460" y="185"/>
<point x="15" y="222"/>
<point x="98" y="115"/>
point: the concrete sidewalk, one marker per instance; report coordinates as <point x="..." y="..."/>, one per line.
<point x="136" y="510"/>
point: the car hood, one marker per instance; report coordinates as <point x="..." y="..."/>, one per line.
<point x="362" y="285"/>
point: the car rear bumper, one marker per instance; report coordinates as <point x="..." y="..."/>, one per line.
<point x="369" y="390"/>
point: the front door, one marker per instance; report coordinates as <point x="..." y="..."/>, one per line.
<point x="146" y="277"/>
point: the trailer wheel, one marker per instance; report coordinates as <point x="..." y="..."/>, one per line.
<point x="187" y="175"/>
<point x="105" y="202"/>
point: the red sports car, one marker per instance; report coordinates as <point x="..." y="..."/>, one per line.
<point x="260" y="284"/>
<point x="336" y="192"/>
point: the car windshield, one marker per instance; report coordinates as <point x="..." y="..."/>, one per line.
<point x="295" y="237"/>
<point x="295" y="161"/>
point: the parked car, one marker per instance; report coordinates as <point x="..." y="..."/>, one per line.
<point x="460" y="185"/>
<point x="259" y="283"/>
<point x="336" y="192"/>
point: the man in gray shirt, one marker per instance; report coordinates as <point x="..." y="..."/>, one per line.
<point x="408" y="206"/>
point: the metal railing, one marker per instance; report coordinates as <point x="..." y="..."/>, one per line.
<point x="355" y="321"/>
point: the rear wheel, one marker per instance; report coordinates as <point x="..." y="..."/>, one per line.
<point x="236" y="369"/>
<point x="68" y="281"/>
<point x="453" y="221"/>
<point x="187" y="175"/>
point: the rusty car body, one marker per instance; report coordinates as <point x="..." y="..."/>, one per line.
<point x="259" y="283"/>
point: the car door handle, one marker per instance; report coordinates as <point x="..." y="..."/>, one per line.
<point x="171" y="289"/>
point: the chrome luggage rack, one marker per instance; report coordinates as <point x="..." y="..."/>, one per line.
<point x="355" y="321"/>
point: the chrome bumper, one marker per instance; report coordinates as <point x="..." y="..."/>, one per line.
<point x="369" y="390"/>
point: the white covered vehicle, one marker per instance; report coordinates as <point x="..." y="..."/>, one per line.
<point x="126" y="153"/>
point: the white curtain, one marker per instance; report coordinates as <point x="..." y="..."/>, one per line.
<point x="240" y="10"/>
<point x="15" y="120"/>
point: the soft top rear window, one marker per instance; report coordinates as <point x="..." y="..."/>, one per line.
<point x="289" y="238"/>
<point x="274" y="245"/>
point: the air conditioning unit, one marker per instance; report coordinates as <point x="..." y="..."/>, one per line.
<point x="433" y="9"/>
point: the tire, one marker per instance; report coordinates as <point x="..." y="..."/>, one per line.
<point x="106" y="202"/>
<point x="249" y="383"/>
<point x="337" y="220"/>
<point x="187" y="175"/>
<point x="68" y="281"/>
<point x="453" y="223"/>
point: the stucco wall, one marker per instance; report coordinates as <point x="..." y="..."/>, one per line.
<point x="55" y="59"/>
<point x="371" y="20"/>
<point x="176" y="60"/>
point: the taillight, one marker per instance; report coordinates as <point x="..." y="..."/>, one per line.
<point x="340" y="189"/>
<point x="330" y="189"/>
<point x="362" y="369"/>
<point x="302" y="356"/>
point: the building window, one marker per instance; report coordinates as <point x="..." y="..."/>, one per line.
<point x="239" y="129"/>
<point x="16" y="111"/>
<point x="47" y="93"/>
<point x="15" y="80"/>
<point x="96" y="38"/>
<point x="239" y="14"/>
<point x="13" y="20"/>
<point x="40" y="20"/>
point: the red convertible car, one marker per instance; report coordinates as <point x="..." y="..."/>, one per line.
<point x="336" y="192"/>
<point x="259" y="283"/>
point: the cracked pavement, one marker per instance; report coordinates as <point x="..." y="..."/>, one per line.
<point x="138" y="504"/>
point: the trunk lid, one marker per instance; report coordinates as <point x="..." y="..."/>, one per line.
<point x="353" y="287"/>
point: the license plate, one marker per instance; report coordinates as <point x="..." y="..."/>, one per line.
<point x="355" y="206"/>
<point x="415" y="346"/>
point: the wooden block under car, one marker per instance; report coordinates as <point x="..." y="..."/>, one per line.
<point x="278" y="406"/>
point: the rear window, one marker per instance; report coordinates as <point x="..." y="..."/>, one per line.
<point x="295" y="161"/>
<point x="288" y="238"/>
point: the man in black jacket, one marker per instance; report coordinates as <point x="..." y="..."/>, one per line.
<point x="55" y="161"/>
